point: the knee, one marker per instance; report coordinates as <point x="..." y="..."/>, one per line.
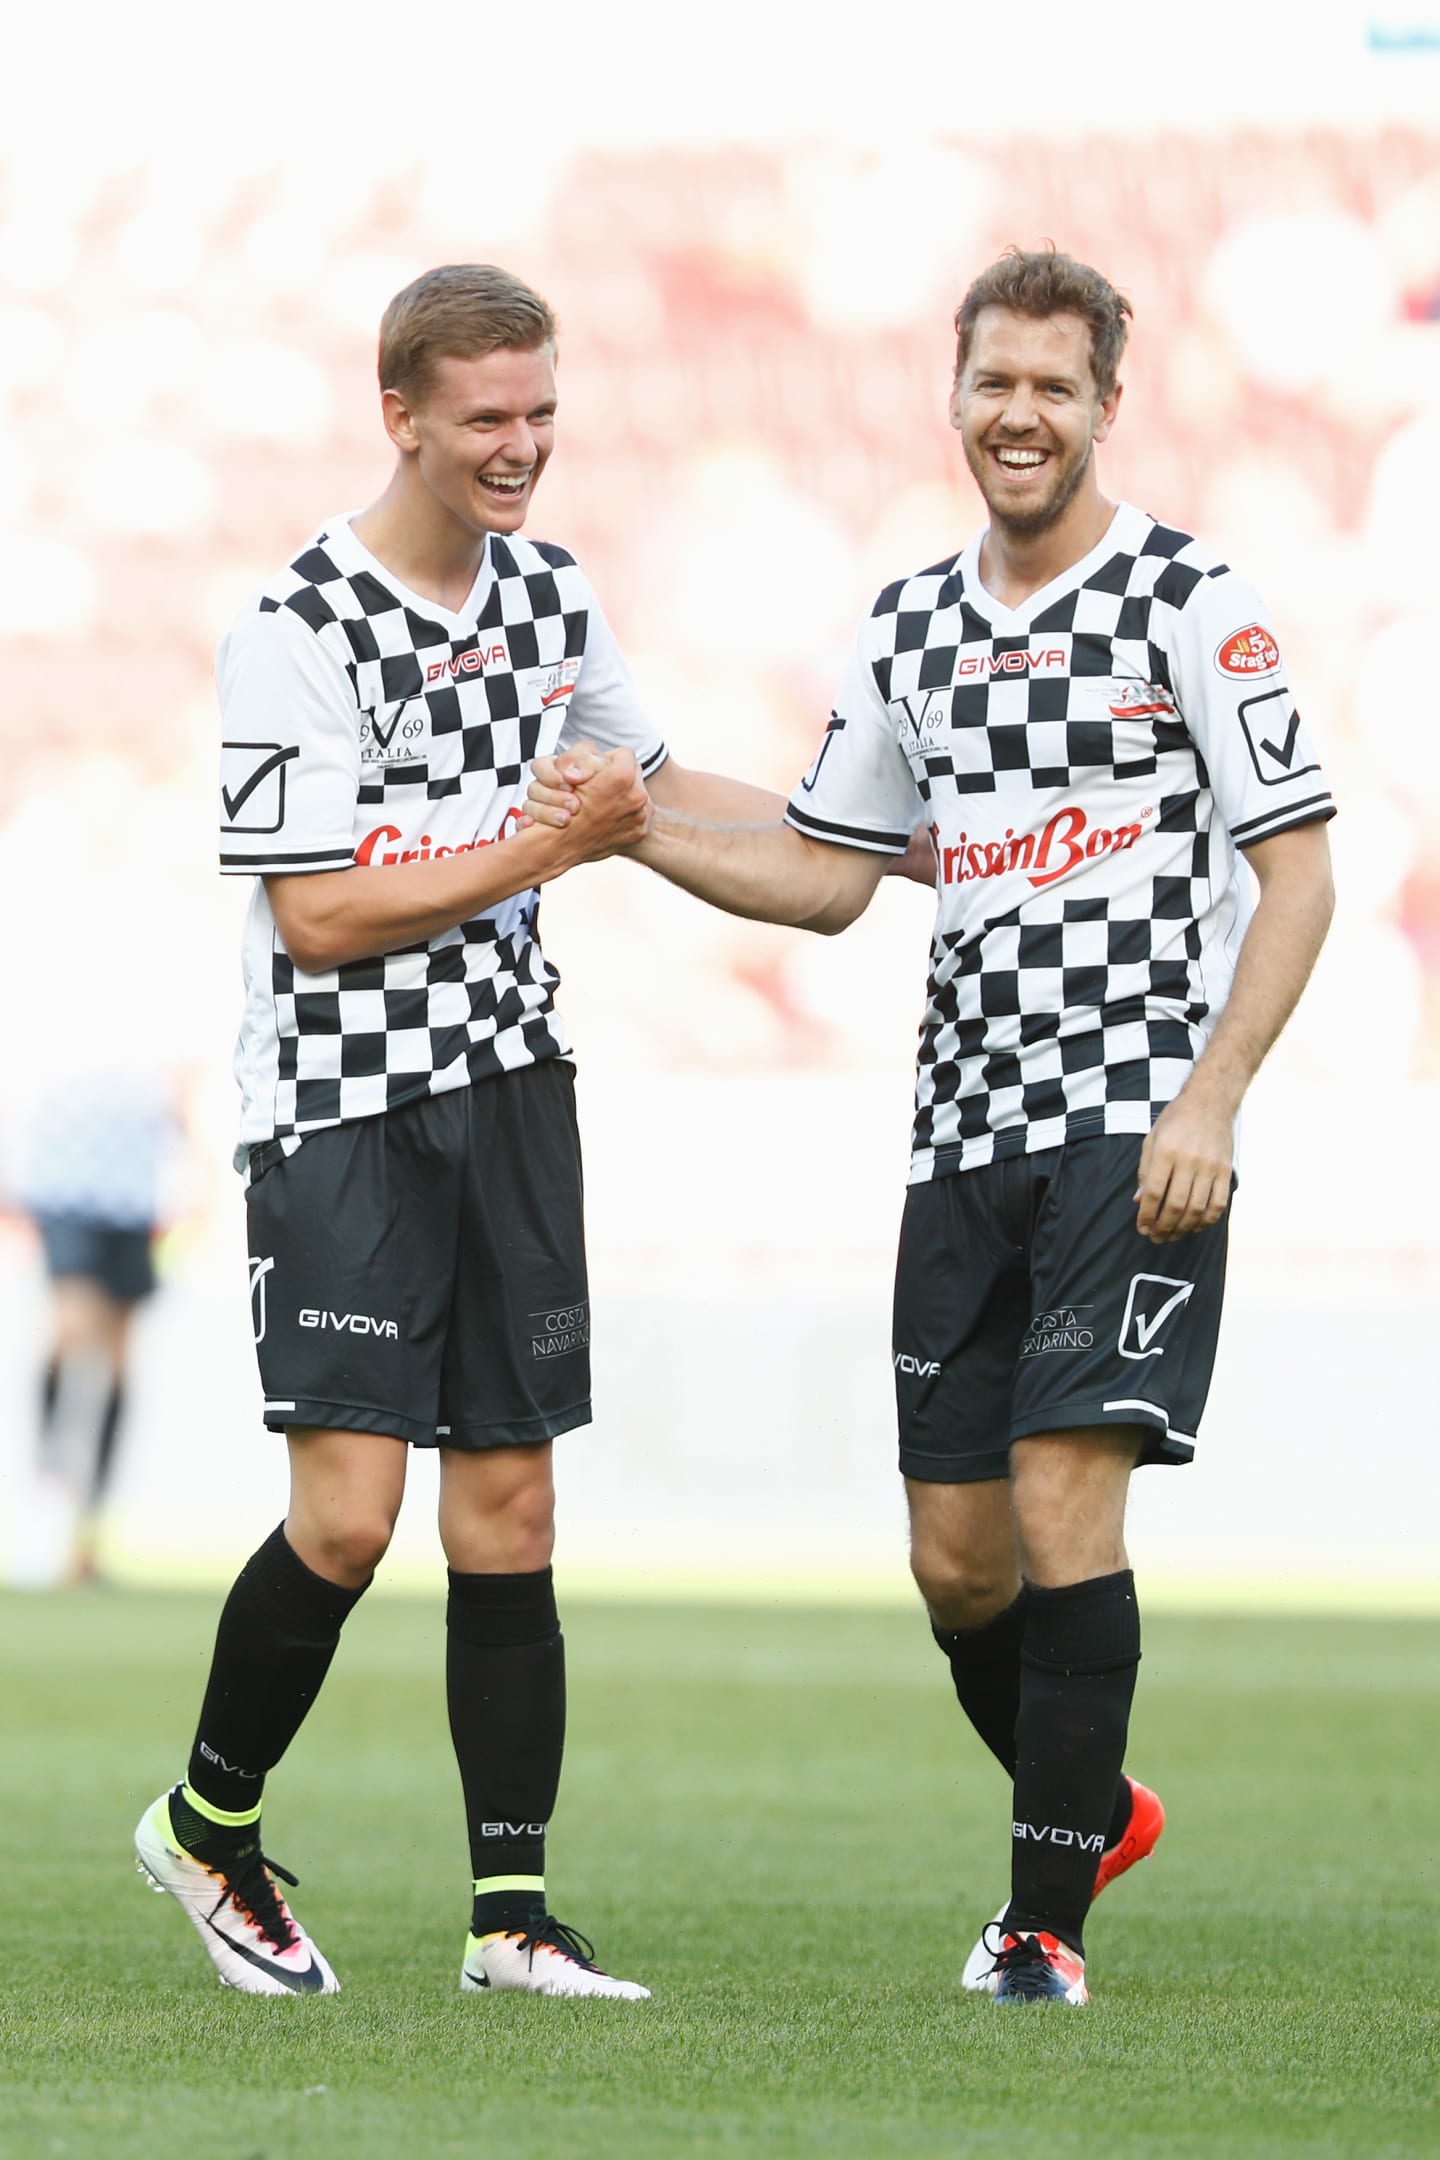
<point x="506" y="1532"/>
<point x="964" y="1589"/>
<point x="521" y="1537"/>
<point x="345" y="1549"/>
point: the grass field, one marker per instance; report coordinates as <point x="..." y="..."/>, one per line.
<point x="775" y="1819"/>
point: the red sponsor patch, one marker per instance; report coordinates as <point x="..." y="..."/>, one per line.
<point x="1249" y="652"/>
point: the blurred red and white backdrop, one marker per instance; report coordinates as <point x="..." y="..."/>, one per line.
<point x="755" y="230"/>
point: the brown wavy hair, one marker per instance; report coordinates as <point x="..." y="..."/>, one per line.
<point x="1041" y="282"/>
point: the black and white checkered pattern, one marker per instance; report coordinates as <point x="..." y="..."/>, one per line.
<point x="366" y="725"/>
<point x="1087" y="767"/>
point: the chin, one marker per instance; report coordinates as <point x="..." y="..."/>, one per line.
<point x="1026" y="524"/>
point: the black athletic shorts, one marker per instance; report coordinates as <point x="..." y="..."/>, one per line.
<point x="1026" y="1301"/>
<point x="422" y="1273"/>
<point x="116" y="1258"/>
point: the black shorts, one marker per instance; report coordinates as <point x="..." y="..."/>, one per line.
<point x="423" y="1273"/>
<point x="1026" y="1301"/>
<point x="118" y="1260"/>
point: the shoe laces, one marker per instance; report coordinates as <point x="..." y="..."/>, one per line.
<point x="1015" y="1953"/>
<point x="552" y="1934"/>
<point x="252" y="1888"/>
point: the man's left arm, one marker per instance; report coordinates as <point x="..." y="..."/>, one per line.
<point x="1187" y="1160"/>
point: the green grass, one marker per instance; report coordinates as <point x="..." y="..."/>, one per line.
<point x="776" y="1820"/>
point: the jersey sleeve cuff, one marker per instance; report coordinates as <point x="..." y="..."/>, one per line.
<point x="287" y="864"/>
<point x="653" y="760"/>
<point x="1316" y="809"/>
<point x="854" y="836"/>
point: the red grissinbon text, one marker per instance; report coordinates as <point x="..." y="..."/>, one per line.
<point x="1064" y="842"/>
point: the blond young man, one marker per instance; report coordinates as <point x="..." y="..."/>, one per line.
<point x="408" y="1133"/>
<point x="1088" y="715"/>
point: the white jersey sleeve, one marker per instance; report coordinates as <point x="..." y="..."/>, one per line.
<point x="860" y="791"/>
<point x="290" y="760"/>
<point x="1230" y="685"/>
<point x="603" y="707"/>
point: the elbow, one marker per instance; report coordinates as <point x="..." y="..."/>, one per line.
<point x="831" y="920"/>
<point x="310" y="955"/>
<point x="315" y="947"/>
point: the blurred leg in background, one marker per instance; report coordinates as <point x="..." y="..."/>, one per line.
<point x="99" y="1272"/>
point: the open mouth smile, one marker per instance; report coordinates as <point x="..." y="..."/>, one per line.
<point x="1020" y="463"/>
<point x="505" y="487"/>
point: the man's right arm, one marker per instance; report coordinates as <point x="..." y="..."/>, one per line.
<point x="330" y="917"/>
<point x="768" y="873"/>
<point x="289" y="788"/>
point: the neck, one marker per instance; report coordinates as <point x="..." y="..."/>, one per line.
<point x="418" y="540"/>
<point x="1013" y="566"/>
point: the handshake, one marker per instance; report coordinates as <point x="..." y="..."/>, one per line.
<point x="597" y="796"/>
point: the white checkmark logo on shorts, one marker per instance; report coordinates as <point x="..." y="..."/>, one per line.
<point x="1147" y="1309"/>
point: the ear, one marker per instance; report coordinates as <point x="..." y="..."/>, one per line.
<point x="1109" y="408"/>
<point x="954" y="407"/>
<point x="399" y="418"/>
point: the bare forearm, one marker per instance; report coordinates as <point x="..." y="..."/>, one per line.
<point x="768" y="873"/>
<point x="344" y="915"/>
<point x="714" y="798"/>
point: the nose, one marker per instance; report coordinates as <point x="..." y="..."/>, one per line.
<point x="519" y="444"/>
<point x="1019" y="414"/>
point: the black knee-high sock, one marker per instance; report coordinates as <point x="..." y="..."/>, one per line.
<point x="1078" y="1661"/>
<point x="103" y="1465"/>
<point x="273" y="1647"/>
<point x="505" y="1683"/>
<point x="985" y="1667"/>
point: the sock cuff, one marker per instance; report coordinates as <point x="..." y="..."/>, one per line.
<point x="503" y="1612"/>
<point x="223" y="1818"/>
<point x="311" y="1607"/>
<point x="994" y="1641"/>
<point x="1084" y="1627"/>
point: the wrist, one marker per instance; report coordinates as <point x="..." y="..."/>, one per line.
<point x="1216" y="1090"/>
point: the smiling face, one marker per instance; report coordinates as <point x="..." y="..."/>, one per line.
<point x="481" y="436"/>
<point x="1029" y="415"/>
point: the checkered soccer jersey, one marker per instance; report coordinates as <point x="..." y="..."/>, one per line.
<point x="1088" y="766"/>
<point x="367" y="725"/>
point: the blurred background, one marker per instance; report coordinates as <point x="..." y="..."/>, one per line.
<point x="755" y="229"/>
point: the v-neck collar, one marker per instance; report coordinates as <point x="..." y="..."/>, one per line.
<point x="462" y="620"/>
<point x="1125" y="525"/>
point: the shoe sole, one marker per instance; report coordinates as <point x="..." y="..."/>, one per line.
<point x="469" y="1985"/>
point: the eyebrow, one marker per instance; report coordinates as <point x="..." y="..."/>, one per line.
<point x="1007" y="374"/>
<point x="505" y="412"/>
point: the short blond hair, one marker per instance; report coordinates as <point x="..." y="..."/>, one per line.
<point x="1041" y="282"/>
<point x="457" y="312"/>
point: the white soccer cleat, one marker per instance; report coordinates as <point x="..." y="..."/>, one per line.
<point x="255" y="1941"/>
<point x="552" y="1961"/>
<point x="979" y="1975"/>
<point x="1142" y="1834"/>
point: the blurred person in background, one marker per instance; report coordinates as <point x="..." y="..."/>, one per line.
<point x="1086" y="715"/>
<point x="408" y="1129"/>
<point x="90" y="1181"/>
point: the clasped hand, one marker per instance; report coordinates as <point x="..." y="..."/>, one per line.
<point x="599" y="793"/>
